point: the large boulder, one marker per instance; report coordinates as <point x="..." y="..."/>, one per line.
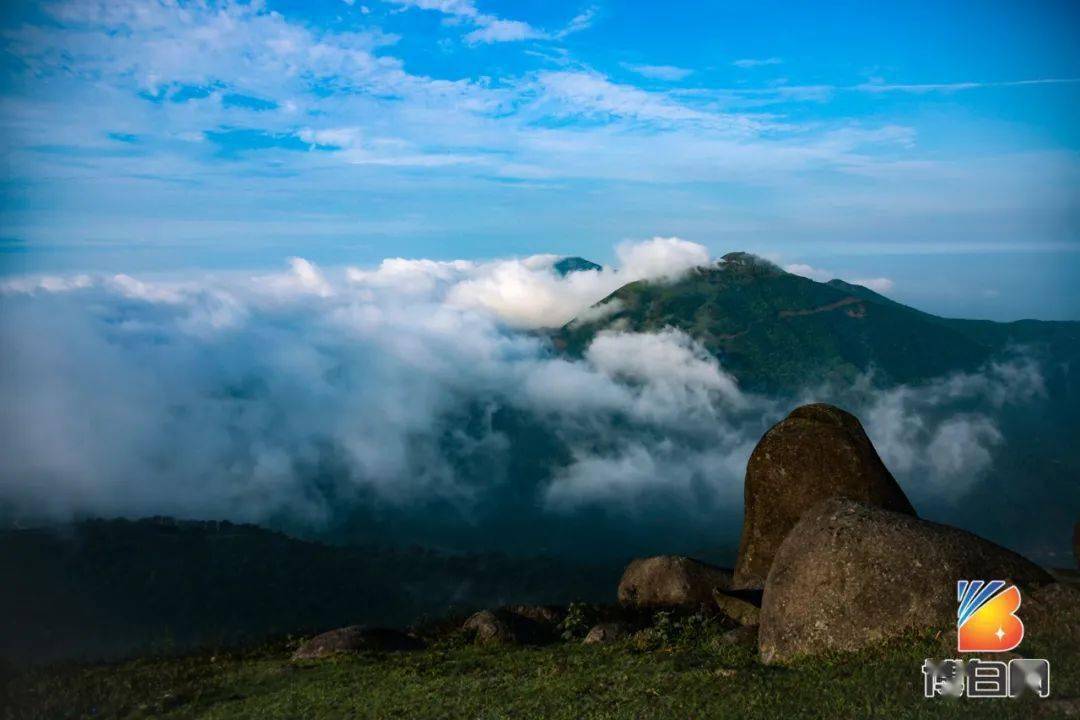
<point x="817" y="452"/>
<point x="668" y="581"/>
<point x="356" y="638"/>
<point x="849" y="575"/>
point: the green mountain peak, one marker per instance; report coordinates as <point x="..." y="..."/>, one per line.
<point x="568" y="265"/>
<point x="776" y="331"/>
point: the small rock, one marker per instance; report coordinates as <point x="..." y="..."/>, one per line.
<point x="511" y="626"/>
<point x="489" y="629"/>
<point x="356" y="638"/>
<point x="544" y="614"/>
<point x="816" y="452"/>
<point x="671" y="581"/>
<point x="737" y="609"/>
<point x="606" y="633"/>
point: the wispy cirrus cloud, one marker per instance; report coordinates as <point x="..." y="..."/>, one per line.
<point x="660" y="72"/>
<point x="592" y="93"/>
<point x="489" y="28"/>
<point x="496" y="30"/>
<point x="582" y="21"/>
<point x="271" y="121"/>
<point x="783" y="92"/>
<point x="747" y="63"/>
<point x="880" y="86"/>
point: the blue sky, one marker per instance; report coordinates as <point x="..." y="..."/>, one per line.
<point x="935" y="144"/>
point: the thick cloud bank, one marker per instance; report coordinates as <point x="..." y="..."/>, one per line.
<point x="419" y="391"/>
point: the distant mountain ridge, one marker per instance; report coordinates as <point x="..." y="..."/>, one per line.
<point x="776" y="331"/>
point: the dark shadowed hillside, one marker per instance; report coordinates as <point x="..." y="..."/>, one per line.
<point x="112" y="587"/>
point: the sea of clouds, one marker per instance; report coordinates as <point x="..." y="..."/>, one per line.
<point x="417" y="387"/>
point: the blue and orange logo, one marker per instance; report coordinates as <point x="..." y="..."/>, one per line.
<point x="986" y="617"/>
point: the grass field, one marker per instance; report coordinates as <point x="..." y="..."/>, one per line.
<point x="693" y="675"/>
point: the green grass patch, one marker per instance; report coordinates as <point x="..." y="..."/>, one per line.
<point x="650" y="677"/>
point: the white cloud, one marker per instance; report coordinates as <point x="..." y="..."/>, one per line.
<point x="303" y="278"/>
<point x="488" y="28"/>
<point x="661" y="257"/>
<point x="928" y="432"/>
<point x="599" y="480"/>
<point x="307" y="395"/>
<point x="368" y="120"/>
<point x="808" y="271"/>
<point x="663" y="380"/>
<point x="129" y="287"/>
<point x="530" y="294"/>
<point x="525" y="297"/>
<point x="637" y="473"/>
<point x="920" y="88"/>
<point x="598" y="312"/>
<point x="44" y="283"/>
<point x="590" y="93"/>
<point x="160" y="73"/>
<point x="412" y="276"/>
<point x="209" y="395"/>
<point x="960" y="451"/>
<point x="352" y="145"/>
<point x="189" y="59"/>
<point x="581" y="21"/>
<point x="502" y="31"/>
<point x="877" y="284"/>
<point x="309" y="278"/>
<point x="203" y="46"/>
<point x="661" y="72"/>
<point x="759" y="62"/>
<point x="461" y="8"/>
<point x="675" y="372"/>
<point x="523" y="292"/>
<point x="493" y="29"/>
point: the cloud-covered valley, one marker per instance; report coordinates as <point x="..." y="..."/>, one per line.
<point x="421" y="401"/>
